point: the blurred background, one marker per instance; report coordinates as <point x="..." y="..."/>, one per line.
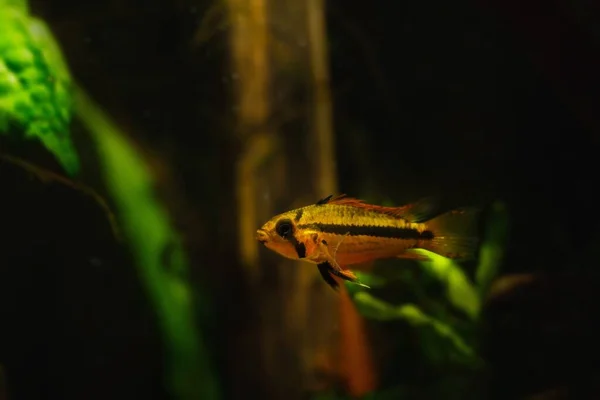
<point x="143" y="143"/>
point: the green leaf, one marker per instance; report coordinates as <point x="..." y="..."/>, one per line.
<point x="35" y="84"/>
<point x="20" y="5"/>
<point x="492" y="248"/>
<point x="376" y="309"/>
<point x="159" y="255"/>
<point x="459" y="290"/>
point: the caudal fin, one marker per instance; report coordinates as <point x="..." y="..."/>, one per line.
<point x="455" y="234"/>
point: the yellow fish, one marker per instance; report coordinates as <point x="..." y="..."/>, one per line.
<point x="342" y="231"/>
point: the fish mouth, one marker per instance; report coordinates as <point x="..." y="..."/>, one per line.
<point x="262" y="236"/>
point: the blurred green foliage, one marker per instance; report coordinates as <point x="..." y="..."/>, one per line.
<point x="446" y="326"/>
<point x="158" y="253"/>
<point x="35" y="84"/>
<point x="37" y="94"/>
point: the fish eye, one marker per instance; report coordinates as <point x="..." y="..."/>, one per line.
<point x="284" y="228"/>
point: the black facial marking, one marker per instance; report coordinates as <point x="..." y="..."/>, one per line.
<point x="284" y="228"/>
<point x="299" y="215"/>
<point x="324" y="242"/>
<point x="324" y="200"/>
<point x="300" y="248"/>
<point x="376" y="231"/>
<point x="324" y="270"/>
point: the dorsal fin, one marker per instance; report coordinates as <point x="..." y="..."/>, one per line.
<point x="331" y="199"/>
<point x="419" y="211"/>
<point x="324" y="200"/>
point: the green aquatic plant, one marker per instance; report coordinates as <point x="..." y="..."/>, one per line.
<point x="37" y="102"/>
<point x="147" y="227"/>
<point x="35" y="84"/>
<point x="441" y="341"/>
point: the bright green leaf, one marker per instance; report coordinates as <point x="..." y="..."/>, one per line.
<point x="20" y="5"/>
<point x="459" y="290"/>
<point x="439" y="341"/>
<point x="374" y="308"/>
<point x="35" y="84"/>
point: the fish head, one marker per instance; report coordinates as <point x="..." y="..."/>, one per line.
<point x="278" y="235"/>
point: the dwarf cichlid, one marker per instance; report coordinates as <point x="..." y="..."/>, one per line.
<point x="342" y="231"/>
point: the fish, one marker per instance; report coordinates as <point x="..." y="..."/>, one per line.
<point x="343" y="231"/>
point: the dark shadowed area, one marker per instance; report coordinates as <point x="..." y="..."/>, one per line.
<point x="242" y="109"/>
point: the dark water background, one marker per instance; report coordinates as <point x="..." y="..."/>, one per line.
<point x="473" y="100"/>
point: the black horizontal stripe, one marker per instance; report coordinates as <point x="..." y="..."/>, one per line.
<point x="368" y="230"/>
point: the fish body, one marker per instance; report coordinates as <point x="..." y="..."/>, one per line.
<point x="343" y="231"/>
